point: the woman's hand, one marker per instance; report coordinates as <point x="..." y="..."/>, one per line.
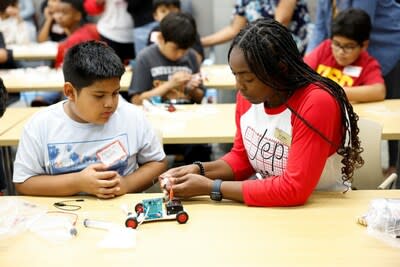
<point x="190" y="185"/>
<point x="181" y="171"/>
<point x="177" y="172"/>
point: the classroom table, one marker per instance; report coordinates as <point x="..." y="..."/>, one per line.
<point x="13" y="116"/>
<point x="34" y="51"/>
<point x="385" y="112"/>
<point x="11" y="120"/>
<point x="215" y="123"/>
<point x="323" y="232"/>
<point x="189" y="124"/>
<point x="48" y="79"/>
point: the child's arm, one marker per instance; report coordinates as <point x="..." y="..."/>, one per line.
<point x="284" y="11"/>
<point x="225" y="34"/>
<point x="366" y="93"/>
<point x="177" y="80"/>
<point x="94" y="180"/>
<point x="45" y="29"/>
<point x="141" y="179"/>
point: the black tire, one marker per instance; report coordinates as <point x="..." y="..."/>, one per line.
<point x="139" y="208"/>
<point x="182" y="217"/>
<point x="131" y="223"/>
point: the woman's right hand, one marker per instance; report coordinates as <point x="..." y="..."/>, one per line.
<point x="176" y="173"/>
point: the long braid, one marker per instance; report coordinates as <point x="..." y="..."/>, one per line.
<point x="273" y="57"/>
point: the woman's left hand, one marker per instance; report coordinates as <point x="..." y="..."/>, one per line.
<point x="190" y="185"/>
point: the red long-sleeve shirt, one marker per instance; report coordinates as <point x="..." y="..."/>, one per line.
<point x="282" y="148"/>
<point x="87" y="32"/>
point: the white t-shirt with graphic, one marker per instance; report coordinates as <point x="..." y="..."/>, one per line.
<point x="52" y="143"/>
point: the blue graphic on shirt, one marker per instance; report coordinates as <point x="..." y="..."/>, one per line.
<point x="75" y="156"/>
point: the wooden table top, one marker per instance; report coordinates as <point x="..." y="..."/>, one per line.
<point x="210" y="123"/>
<point x="47" y="79"/>
<point x="213" y="123"/>
<point x="324" y="232"/>
<point x="35" y="51"/>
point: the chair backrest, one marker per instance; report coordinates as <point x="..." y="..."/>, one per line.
<point x="370" y="175"/>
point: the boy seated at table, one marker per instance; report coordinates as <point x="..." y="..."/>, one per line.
<point x="169" y="70"/>
<point x="71" y="16"/>
<point x="94" y="141"/>
<point x="161" y="8"/>
<point x="344" y="58"/>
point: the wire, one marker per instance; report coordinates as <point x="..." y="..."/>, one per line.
<point x="63" y="205"/>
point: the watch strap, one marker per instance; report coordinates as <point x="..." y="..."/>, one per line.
<point x="216" y="190"/>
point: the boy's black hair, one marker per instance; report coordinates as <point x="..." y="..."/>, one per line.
<point x="91" y="61"/>
<point x="76" y="4"/>
<point x="272" y="55"/>
<point x="3" y="98"/>
<point x="179" y="28"/>
<point x="352" y="23"/>
<point x="6" y="3"/>
<point x="157" y="3"/>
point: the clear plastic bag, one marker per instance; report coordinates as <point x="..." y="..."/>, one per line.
<point x="383" y="220"/>
<point x="17" y="215"/>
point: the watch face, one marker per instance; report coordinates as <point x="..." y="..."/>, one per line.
<point x="217" y="196"/>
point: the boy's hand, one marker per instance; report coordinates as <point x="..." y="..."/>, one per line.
<point x="179" y="78"/>
<point x="48" y="14"/>
<point x="96" y="180"/>
<point x="194" y="82"/>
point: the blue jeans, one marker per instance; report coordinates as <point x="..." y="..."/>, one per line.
<point x="49" y="97"/>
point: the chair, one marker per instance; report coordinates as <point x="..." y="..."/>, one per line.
<point x="370" y="175"/>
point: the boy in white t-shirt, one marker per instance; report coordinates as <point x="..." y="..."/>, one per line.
<point x="93" y="142"/>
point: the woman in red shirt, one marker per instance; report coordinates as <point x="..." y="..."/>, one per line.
<point x="296" y="131"/>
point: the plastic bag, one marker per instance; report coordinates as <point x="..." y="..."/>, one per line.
<point x="17" y="215"/>
<point x="383" y="220"/>
<point x="54" y="227"/>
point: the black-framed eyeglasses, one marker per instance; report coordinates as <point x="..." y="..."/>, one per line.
<point x="347" y="49"/>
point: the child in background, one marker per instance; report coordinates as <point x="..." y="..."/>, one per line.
<point x="283" y="135"/>
<point x="114" y="26"/>
<point x="15" y="30"/>
<point x="161" y="8"/>
<point x="169" y="69"/>
<point x="84" y="143"/>
<point x="344" y="58"/>
<point x="70" y="15"/>
<point x="50" y="29"/>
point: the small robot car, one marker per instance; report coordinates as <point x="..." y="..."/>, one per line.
<point x="154" y="209"/>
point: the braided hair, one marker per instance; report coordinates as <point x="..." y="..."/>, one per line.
<point x="273" y="57"/>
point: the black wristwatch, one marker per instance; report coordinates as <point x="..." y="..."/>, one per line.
<point x="216" y="194"/>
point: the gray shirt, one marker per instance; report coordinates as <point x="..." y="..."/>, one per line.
<point x="153" y="68"/>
